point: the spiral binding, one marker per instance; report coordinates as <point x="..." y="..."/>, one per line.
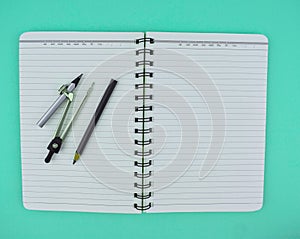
<point x="145" y="153"/>
<point x="143" y="86"/>
<point x="146" y="119"/>
<point x="143" y="131"/>
<point x="136" y="195"/>
<point x="143" y="97"/>
<point x="144" y="163"/>
<point x="144" y="39"/>
<point x="142" y="63"/>
<point x="144" y="74"/>
<point x="141" y="175"/>
<point x="143" y="108"/>
<point x="142" y="186"/>
<point x="144" y="51"/>
<point x="142" y="208"/>
<point x="143" y="142"/>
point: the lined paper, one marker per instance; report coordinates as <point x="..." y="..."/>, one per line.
<point x="102" y="180"/>
<point x="209" y="111"/>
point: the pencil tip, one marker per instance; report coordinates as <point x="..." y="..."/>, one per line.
<point x="76" y="80"/>
<point x="76" y="157"/>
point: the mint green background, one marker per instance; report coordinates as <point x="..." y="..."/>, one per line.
<point x="279" y="20"/>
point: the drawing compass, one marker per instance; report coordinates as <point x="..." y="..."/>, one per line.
<point x="55" y="144"/>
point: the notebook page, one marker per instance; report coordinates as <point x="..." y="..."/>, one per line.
<point x="209" y="112"/>
<point x="102" y="180"/>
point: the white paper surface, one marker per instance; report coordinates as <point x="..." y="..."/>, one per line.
<point x="209" y="112"/>
<point x="102" y="180"/>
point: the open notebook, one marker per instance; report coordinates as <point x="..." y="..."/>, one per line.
<point x="184" y="130"/>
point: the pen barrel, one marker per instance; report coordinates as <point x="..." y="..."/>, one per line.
<point x="105" y="99"/>
<point x="96" y="116"/>
<point x="57" y="103"/>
